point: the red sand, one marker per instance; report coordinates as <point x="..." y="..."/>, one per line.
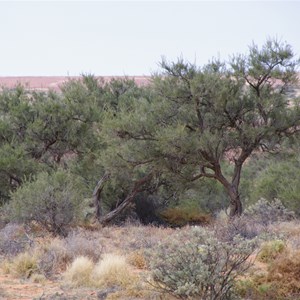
<point x="54" y="82"/>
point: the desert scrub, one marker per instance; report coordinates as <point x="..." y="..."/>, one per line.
<point x="56" y="254"/>
<point x="267" y="212"/>
<point x="13" y="240"/>
<point x="195" y="264"/>
<point x="50" y="200"/>
<point x="180" y="216"/>
<point x="79" y="273"/>
<point x="270" y="250"/>
<point x="23" y="265"/>
<point x="113" y="269"/>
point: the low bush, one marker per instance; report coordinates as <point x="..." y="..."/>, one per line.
<point x="51" y="200"/>
<point x="267" y="212"/>
<point x="13" y="240"/>
<point x="53" y="257"/>
<point x="270" y="250"/>
<point x="80" y="243"/>
<point x="244" y="226"/>
<point x="58" y="253"/>
<point x="194" y="263"/>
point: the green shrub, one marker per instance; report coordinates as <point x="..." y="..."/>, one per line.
<point x="280" y="180"/>
<point x="195" y="263"/>
<point x="51" y="200"/>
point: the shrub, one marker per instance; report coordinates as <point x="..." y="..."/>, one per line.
<point x="56" y="255"/>
<point x="53" y="257"/>
<point x="265" y="212"/>
<point x="52" y="200"/>
<point x="79" y="243"/>
<point x="270" y="250"/>
<point x="79" y="273"/>
<point x="13" y="240"/>
<point x="244" y="226"/>
<point x="280" y="180"/>
<point x="195" y="263"/>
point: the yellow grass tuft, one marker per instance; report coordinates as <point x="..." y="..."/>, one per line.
<point x="113" y="270"/>
<point x="79" y="273"/>
<point x="24" y="265"/>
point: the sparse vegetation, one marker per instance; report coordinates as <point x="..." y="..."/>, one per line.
<point x="202" y="266"/>
<point x="169" y="154"/>
<point x="270" y="250"/>
<point x="79" y="273"/>
<point x="53" y="201"/>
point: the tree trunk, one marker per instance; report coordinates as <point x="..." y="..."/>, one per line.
<point x="235" y="207"/>
<point x="137" y="188"/>
<point x="104" y="220"/>
<point x="97" y="195"/>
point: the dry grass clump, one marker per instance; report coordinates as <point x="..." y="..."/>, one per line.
<point x="79" y="273"/>
<point x="113" y="270"/>
<point x="24" y="265"/>
<point x="137" y="259"/>
<point x="284" y="273"/>
<point x="280" y="281"/>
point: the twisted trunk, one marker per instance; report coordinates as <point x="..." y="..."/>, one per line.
<point x="138" y="187"/>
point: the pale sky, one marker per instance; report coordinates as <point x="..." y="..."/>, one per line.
<point x="60" y="38"/>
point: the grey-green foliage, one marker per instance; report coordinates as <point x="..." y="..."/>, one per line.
<point x="52" y="200"/>
<point x="280" y="180"/>
<point x="266" y="212"/>
<point x="195" y="264"/>
<point x="195" y="118"/>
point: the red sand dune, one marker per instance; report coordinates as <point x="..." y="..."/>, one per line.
<point x="54" y="82"/>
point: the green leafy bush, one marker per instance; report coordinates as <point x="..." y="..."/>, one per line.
<point x="51" y="200"/>
<point x="195" y="264"/>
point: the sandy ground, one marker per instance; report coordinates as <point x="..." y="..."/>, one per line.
<point x="17" y="289"/>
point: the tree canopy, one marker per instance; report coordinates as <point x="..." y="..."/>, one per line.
<point x="194" y="118"/>
<point x="167" y="140"/>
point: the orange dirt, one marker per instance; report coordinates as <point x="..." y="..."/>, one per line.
<point x="20" y="289"/>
